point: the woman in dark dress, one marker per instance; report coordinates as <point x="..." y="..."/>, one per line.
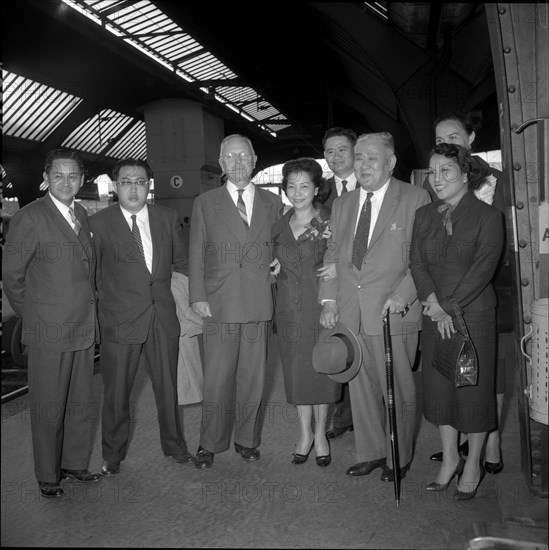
<point x="456" y="247"/>
<point x="300" y="240"/>
<point x="460" y="128"/>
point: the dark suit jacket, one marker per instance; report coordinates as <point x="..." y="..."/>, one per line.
<point x="49" y="277"/>
<point x="462" y="264"/>
<point x="128" y="293"/>
<point x="328" y="203"/>
<point x="361" y="294"/>
<point x="229" y="265"/>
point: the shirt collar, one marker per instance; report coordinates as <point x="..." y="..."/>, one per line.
<point x="351" y="178"/>
<point x="379" y="194"/>
<point x="63" y="208"/>
<point x="232" y="188"/>
<point x="142" y="215"/>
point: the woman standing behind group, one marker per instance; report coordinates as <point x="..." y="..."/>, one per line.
<point x="300" y="240"/>
<point x="457" y="242"/>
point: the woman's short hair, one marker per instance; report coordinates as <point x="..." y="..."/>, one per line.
<point x="466" y="162"/>
<point x="311" y="167"/>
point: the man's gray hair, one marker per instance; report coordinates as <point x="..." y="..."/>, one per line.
<point x="232" y="136"/>
<point x="384" y="137"/>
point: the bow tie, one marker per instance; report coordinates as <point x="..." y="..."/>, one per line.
<point x="446" y="209"/>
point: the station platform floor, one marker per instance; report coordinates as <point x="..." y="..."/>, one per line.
<point x="155" y="502"/>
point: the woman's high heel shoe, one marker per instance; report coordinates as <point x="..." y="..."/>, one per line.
<point x="301" y="459"/>
<point x="468" y="495"/>
<point x="324" y="460"/>
<point x="493" y="467"/>
<point x="439" y="487"/>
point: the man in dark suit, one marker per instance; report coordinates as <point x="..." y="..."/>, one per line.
<point x="230" y="287"/>
<point x="371" y="232"/>
<point x="49" y="271"/>
<point x="339" y="144"/>
<point x="137" y="245"/>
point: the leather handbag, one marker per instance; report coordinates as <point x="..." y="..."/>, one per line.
<point x="456" y="357"/>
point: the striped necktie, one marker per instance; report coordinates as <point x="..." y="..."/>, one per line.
<point x="137" y="236"/>
<point x="76" y="223"/>
<point x="343" y="186"/>
<point x="360" y="244"/>
<point x="242" y="208"/>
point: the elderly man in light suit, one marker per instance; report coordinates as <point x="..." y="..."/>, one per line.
<point x="371" y="232"/>
<point x="230" y="287"/>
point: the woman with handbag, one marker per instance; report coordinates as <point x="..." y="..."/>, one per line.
<point x="457" y="243"/>
<point x="461" y="129"/>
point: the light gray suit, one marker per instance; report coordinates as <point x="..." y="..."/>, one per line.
<point x="360" y="295"/>
<point x="229" y="269"/>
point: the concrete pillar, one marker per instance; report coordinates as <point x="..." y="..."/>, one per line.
<point x="182" y="149"/>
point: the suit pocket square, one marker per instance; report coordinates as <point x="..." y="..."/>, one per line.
<point x="395" y="227"/>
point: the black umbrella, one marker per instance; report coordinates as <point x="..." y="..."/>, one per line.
<point x="391" y="409"/>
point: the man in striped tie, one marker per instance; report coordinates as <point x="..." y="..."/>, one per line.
<point x="230" y="287"/>
<point x="138" y="244"/>
<point x="49" y="279"/>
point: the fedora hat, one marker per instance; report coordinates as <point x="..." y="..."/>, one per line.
<point x="338" y="353"/>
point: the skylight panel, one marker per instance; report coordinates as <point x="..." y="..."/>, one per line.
<point x="94" y="134"/>
<point x="33" y="110"/>
<point x="133" y="144"/>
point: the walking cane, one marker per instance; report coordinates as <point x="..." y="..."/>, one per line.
<point x="391" y="403"/>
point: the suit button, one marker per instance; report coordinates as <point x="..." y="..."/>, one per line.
<point x="150" y="284"/>
<point x="359" y="286"/>
<point x="240" y="265"/>
<point x="92" y="301"/>
<point x="152" y="302"/>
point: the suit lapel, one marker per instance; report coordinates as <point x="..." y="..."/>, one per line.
<point x="260" y="215"/>
<point x="354" y="200"/>
<point x="388" y="206"/>
<point x="228" y="212"/>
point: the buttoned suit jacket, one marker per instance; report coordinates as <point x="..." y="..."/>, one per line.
<point x="129" y="294"/>
<point x="360" y="295"/>
<point x="228" y="264"/>
<point x="49" y="277"/>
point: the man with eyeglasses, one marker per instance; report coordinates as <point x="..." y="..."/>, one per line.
<point x="230" y="287"/>
<point x="137" y="245"/>
<point x="49" y="279"/>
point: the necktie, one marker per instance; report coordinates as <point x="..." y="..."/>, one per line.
<point x="77" y="225"/>
<point x="343" y="186"/>
<point x="242" y="208"/>
<point x="137" y="236"/>
<point x="446" y="210"/>
<point x="360" y="244"/>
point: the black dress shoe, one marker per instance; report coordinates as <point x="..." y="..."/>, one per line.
<point x="50" y="489"/>
<point x="493" y="467"/>
<point x="110" y="468"/>
<point x="435" y="487"/>
<point x="82" y="476"/>
<point x="301" y="459"/>
<point x="463" y="450"/>
<point x="364" y="468"/>
<point x="203" y="459"/>
<point x="247" y="453"/>
<point x="334" y="432"/>
<point x="182" y="458"/>
<point x="389" y="475"/>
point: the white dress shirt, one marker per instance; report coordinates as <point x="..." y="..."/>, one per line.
<point x="377" y="200"/>
<point x="64" y="209"/>
<point x="142" y="219"/>
<point x="247" y="197"/>
<point x="351" y="183"/>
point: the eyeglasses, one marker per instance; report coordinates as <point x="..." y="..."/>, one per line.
<point x="139" y="183"/>
<point x="240" y="156"/>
